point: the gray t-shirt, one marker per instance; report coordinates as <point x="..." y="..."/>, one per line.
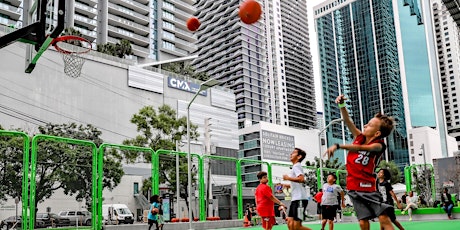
<point x="298" y="192"/>
<point x="330" y="193"/>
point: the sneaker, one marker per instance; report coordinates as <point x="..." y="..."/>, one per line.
<point x="340" y="220"/>
<point x="451" y="218"/>
<point x="410" y="218"/>
<point x="403" y="212"/>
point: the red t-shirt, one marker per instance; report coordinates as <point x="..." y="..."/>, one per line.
<point x="361" y="166"/>
<point x="265" y="206"/>
<point x="318" y="197"/>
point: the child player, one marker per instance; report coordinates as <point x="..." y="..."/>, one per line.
<point x="363" y="156"/>
<point x="329" y="201"/>
<point x="265" y="201"/>
<point x="385" y="188"/>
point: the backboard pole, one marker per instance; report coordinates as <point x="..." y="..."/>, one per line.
<point x="56" y="32"/>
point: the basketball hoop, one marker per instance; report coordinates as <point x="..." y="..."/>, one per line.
<point x="72" y="47"/>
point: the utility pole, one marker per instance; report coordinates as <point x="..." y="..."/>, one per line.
<point x="207" y="140"/>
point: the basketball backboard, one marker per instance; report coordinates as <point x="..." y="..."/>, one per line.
<point x="42" y="22"/>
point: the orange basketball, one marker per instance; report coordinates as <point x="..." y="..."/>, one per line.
<point x="250" y="11"/>
<point x="193" y="23"/>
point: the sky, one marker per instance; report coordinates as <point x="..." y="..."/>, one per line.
<point x="314" y="52"/>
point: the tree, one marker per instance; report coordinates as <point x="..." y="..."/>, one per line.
<point x="184" y="69"/>
<point x="11" y="153"/>
<point x="61" y="165"/>
<point x="121" y="49"/>
<point x="311" y="178"/>
<point x="161" y="129"/>
<point x="394" y="170"/>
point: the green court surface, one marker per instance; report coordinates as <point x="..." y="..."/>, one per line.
<point x="414" y="225"/>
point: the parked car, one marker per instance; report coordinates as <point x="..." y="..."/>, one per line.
<point x="53" y="220"/>
<point x="83" y="217"/>
<point x="11" y="221"/>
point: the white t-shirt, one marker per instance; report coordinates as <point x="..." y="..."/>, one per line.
<point x="330" y="194"/>
<point x="298" y="191"/>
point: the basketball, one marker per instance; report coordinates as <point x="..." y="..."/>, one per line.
<point x="154" y="211"/>
<point x="193" y="23"/>
<point x="250" y="11"/>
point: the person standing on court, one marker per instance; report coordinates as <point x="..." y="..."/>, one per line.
<point x="329" y="201"/>
<point x="298" y="192"/>
<point x="363" y="157"/>
<point x="265" y="202"/>
<point x="385" y="188"/>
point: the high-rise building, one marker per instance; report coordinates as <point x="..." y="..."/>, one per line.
<point x="11" y="13"/>
<point x="448" y="50"/>
<point x="359" y="58"/>
<point x="381" y="55"/>
<point x="453" y="6"/>
<point x="268" y="63"/>
<point x="156" y="29"/>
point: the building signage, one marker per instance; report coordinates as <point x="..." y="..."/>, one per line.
<point x="188" y="86"/>
<point x="276" y="146"/>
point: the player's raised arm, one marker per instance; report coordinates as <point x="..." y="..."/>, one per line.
<point x="340" y="100"/>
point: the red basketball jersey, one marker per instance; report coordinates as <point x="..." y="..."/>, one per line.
<point x="361" y="166"/>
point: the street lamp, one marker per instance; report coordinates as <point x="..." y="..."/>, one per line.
<point x="203" y="86"/>
<point x="335" y="121"/>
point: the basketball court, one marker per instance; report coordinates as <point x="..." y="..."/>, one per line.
<point x="438" y="224"/>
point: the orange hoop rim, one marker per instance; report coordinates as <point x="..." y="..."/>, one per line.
<point x="71" y="37"/>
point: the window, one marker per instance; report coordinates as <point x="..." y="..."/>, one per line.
<point x="136" y="188"/>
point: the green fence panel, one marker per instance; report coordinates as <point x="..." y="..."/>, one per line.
<point x="25" y="172"/>
<point x="239" y="182"/>
<point x="200" y="175"/>
<point x="202" y="195"/>
<point x="33" y="172"/>
<point x="100" y="172"/>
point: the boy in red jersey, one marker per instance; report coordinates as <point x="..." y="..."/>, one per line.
<point x="265" y="202"/>
<point x="362" y="159"/>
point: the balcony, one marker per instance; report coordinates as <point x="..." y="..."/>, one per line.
<point x="91" y="12"/>
<point x="13" y="12"/>
<point x="182" y="5"/>
<point x="89" y="2"/>
<point x="174" y="51"/>
<point x="183" y="34"/>
<point x="90" y="35"/>
<point x="128" y="13"/>
<point x="124" y="34"/>
<point x="138" y="7"/>
<point x="118" y="21"/>
<point x="183" y="44"/>
<point x="182" y="14"/>
<point x="86" y="22"/>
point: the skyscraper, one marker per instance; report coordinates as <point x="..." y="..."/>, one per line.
<point x="268" y="63"/>
<point x="156" y="29"/>
<point x="389" y="66"/>
<point x="358" y="55"/>
<point x="448" y="50"/>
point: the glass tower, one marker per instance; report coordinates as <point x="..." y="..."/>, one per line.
<point x="358" y="55"/>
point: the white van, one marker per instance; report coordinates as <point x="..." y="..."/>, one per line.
<point x="117" y="214"/>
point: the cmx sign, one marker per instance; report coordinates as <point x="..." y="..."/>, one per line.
<point x="188" y="86"/>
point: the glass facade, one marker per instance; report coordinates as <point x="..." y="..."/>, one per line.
<point x="417" y="70"/>
<point x="359" y="58"/>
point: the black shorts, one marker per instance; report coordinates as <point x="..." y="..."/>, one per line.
<point x="368" y="205"/>
<point x="293" y="208"/>
<point x="329" y="211"/>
